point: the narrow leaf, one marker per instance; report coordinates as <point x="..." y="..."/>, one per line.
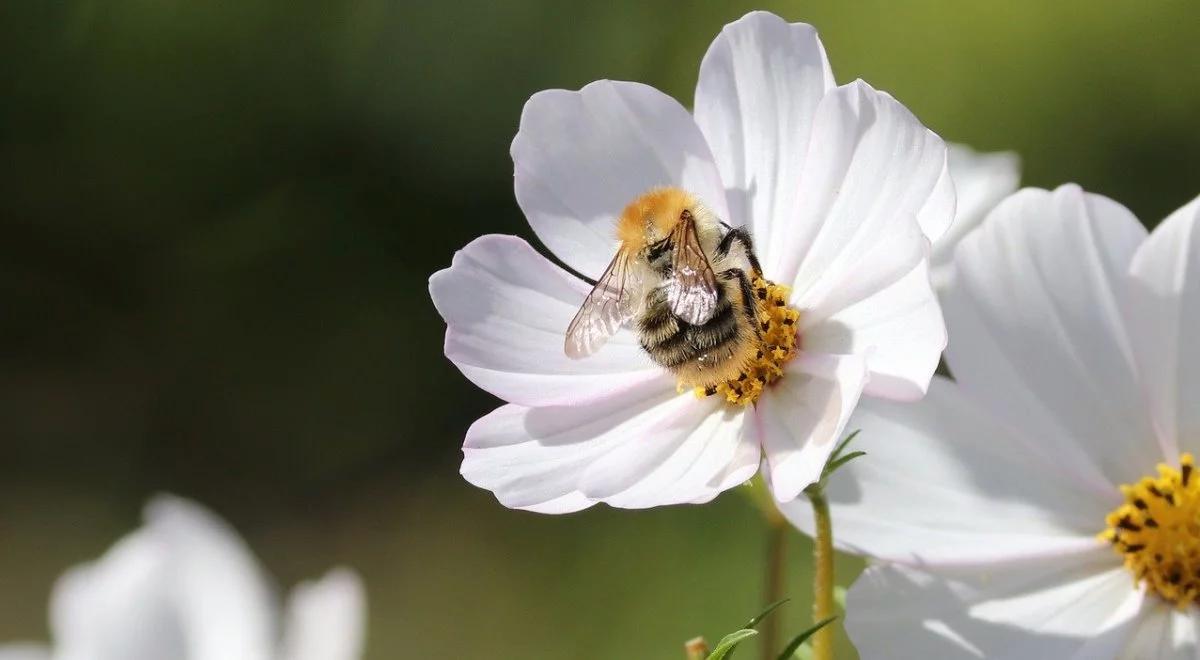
<point x="729" y="642"/>
<point x="837" y="451"/>
<point x="753" y="623"/>
<point x="790" y="649"/>
<point x="834" y="465"/>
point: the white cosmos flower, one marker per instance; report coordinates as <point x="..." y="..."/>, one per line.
<point x="185" y="587"/>
<point x="1073" y="345"/>
<point x="981" y="180"/>
<point x="842" y="189"/>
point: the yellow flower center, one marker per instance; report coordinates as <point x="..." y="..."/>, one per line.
<point x="777" y="325"/>
<point x="1157" y="530"/>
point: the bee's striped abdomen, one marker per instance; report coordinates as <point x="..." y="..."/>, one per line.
<point x="702" y="352"/>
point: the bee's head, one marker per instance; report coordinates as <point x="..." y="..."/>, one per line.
<point x="651" y="217"/>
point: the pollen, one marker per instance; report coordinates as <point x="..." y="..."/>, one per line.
<point x="1157" y="531"/>
<point x="777" y="324"/>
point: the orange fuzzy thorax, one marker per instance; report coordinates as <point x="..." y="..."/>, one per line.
<point x="652" y="216"/>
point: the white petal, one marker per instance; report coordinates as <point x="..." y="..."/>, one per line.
<point x="800" y="418"/>
<point x="120" y="607"/>
<point x="24" y="652"/>
<point x="760" y="83"/>
<point x="326" y="619"/>
<point x="580" y="157"/>
<point x="748" y="458"/>
<point x="1164" y="319"/>
<point x="1036" y="330"/>
<point x="899" y="330"/>
<point x="650" y="446"/>
<point x="875" y="190"/>
<point x="507" y="309"/>
<point x="1036" y="610"/>
<point x="1163" y="633"/>
<point x="981" y="180"/>
<point x="222" y="600"/>
<point x="945" y="483"/>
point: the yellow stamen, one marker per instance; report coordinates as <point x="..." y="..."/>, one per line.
<point x="1157" y="530"/>
<point x="777" y="345"/>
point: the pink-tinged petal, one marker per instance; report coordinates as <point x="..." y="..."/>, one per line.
<point x="1013" y="611"/>
<point x="580" y="157"/>
<point x="1164" y="321"/>
<point x="326" y="618"/>
<point x="507" y="309"/>
<point x="800" y="418"/>
<point x="1163" y="632"/>
<point x="899" y="330"/>
<point x="1036" y="331"/>
<point x="875" y="190"/>
<point x="981" y="180"/>
<point x="686" y="454"/>
<point x="647" y="447"/>
<point x="748" y="459"/>
<point x="760" y="83"/>
<point x="945" y="483"/>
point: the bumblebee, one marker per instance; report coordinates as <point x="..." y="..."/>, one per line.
<point x="684" y="281"/>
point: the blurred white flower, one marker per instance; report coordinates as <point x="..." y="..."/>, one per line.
<point x="1044" y="504"/>
<point x="981" y="180"/>
<point x="186" y="587"/>
<point x="841" y="187"/>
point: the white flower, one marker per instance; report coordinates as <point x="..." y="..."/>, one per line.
<point x="999" y="500"/>
<point x="841" y="187"/>
<point x="981" y="180"/>
<point x="185" y="587"/>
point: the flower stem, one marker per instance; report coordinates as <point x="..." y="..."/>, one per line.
<point x="823" y="607"/>
<point x="776" y="559"/>
<point x="777" y="529"/>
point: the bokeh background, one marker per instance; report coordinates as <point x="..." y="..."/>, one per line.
<point x="219" y="220"/>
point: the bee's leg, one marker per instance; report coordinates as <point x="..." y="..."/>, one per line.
<point x="749" y="308"/>
<point x="739" y="236"/>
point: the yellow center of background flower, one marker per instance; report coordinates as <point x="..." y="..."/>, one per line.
<point x="1157" y="530"/>
<point x="777" y="344"/>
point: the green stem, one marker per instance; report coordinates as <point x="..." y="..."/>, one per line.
<point x="776" y="560"/>
<point x="774" y="579"/>
<point x="823" y="606"/>
<point x="773" y="575"/>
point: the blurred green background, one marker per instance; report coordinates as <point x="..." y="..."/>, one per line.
<point x="219" y="220"/>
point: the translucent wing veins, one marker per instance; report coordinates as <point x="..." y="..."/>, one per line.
<point x="603" y="312"/>
<point x="692" y="287"/>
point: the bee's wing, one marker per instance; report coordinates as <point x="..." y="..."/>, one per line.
<point x="604" y="311"/>
<point x="692" y="286"/>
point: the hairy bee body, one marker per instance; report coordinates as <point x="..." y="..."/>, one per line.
<point x="704" y="354"/>
<point x="682" y="280"/>
<point x="718" y="348"/>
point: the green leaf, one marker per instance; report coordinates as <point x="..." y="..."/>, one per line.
<point x="837" y="451"/>
<point x="831" y="466"/>
<point x="794" y="645"/>
<point x="753" y="623"/>
<point x="725" y="647"/>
